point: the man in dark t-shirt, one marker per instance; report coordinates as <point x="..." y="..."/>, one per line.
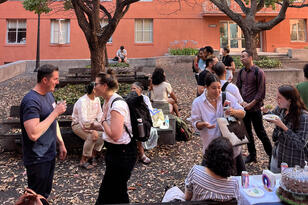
<point x="40" y="130"/>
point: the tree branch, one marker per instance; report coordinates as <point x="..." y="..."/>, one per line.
<point x="82" y="20"/>
<point x="242" y="6"/>
<point x="253" y="7"/>
<point x="2" y="1"/>
<point x="83" y="7"/>
<point x="260" y="5"/>
<point x="105" y="12"/>
<point x="225" y="8"/>
<point x="280" y="17"/>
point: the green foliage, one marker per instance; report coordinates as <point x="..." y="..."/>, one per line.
<point x="306" y="47"/>
<point x="121" y="65"/>
<point x="262" y="62"/>
<point x="68" y="5"/>
<point x="237" y="62"/>
<point x="38" y="6"/>
<point x="183" y="51"/>
<point x="266" y="62"/>
<point x="71" y="93"/>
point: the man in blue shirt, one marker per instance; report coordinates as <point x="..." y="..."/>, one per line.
<point x="40" y="130"/>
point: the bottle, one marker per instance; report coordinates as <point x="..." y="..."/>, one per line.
<point x="140" y="128"/>
<point x="167" y="121"/>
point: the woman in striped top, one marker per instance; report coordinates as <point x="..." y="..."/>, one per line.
<point x="212" y="182"/>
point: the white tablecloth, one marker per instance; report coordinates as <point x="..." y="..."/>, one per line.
<point x="256" y="181"/>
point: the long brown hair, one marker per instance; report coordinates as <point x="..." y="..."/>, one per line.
<point x="297" y="105"/>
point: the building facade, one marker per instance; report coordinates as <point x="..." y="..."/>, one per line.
<point x="148" y="29"/>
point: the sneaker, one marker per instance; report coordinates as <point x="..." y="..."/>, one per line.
<point x="144" y="159"/>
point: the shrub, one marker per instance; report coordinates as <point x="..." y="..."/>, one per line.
<point x="71" y="93"/>
<point x="183" y="51"/>
<point x="263" y="62"/>
<point x="122" y="65"/>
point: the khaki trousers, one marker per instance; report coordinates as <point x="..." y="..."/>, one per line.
<point x="89" y="144"/>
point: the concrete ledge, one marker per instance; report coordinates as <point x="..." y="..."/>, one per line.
<point x="281" y="75"/>
<point x="301" y="54"/>
<point x="148" y="64"/>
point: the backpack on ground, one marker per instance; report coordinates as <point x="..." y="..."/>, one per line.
<point x="183" y="133"/>
<point x="138" y="110"/>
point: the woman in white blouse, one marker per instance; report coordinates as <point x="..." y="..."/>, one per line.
<point x="207" y="108"/>
<point x="121" y="154"/>
<point x="88" y="109"/>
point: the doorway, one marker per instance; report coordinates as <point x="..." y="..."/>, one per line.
<point x="231" y="35"/>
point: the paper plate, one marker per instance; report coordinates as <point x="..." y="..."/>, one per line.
<point x="270" y="117"/>
<point x="254" y="192"/>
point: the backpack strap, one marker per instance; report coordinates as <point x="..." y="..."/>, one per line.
<point x="224" y="96"/>
<point x="224" y="86"/>
<point x="117" y="99"/>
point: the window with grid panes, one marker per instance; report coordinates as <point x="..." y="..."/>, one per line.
<point x="16" y="31"/>
<point x="143" y="30"/>
<point x="60" y="31"/>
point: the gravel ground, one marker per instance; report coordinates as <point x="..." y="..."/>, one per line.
<point x="170" y="164"/>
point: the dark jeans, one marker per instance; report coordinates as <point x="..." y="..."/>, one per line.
<point x="120" y="161"/>
<point x="255" y="118"/>
<point x="40" y="177"/>
<point x="239" y="165"/>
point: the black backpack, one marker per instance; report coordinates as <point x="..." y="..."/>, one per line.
<point x="138" y="109"/>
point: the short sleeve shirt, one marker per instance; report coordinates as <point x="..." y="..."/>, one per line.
<point x="121" y="107"/>
<point x="227" y="60"/>
<point x="160" y="92"/>
<point x="35" y="105"/>
<point x="303" y="91"/>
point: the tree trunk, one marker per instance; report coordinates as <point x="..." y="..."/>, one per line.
<point x="251" y="42"/>
<point x="97" y="60"/>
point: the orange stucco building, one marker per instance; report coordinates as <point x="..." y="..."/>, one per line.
<point x="149" y="28"/>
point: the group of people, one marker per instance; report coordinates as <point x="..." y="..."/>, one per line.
<point x="106" y="126"/>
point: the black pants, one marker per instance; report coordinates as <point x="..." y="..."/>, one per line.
<point x="120" y="161"/>
<point x="40" y="177"/>
<point x="255" y="118"/>
<point x="239" y="165"/>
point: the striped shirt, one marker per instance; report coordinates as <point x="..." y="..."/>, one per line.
<point x="205" y="187"/>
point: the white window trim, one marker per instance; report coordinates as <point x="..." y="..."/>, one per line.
<point x="68" y="35"/>
<point x="143" y="32"/>
<point x="17" y="24"/>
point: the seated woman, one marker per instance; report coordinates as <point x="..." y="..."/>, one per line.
<point x="86" y="110"/>
<point x="291" y="132"/>
<point x="137" y="87"/>
<point x="207" y="108"/>
<point x="161" y="90"/>
<point x="211" y="182"/>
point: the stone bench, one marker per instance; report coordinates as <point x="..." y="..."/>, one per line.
<point x="166" y="136"/>
<point x="10" y="134"/>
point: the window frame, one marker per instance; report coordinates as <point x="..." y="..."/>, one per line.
<point x="143" y="30"/>
<point x="67" y="39"/>
<point x="103" y="23"/>
<point x="16" y="30"/>
<point x="292" y="22"/>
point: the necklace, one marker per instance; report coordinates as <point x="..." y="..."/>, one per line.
<point x="211" y="99"/>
